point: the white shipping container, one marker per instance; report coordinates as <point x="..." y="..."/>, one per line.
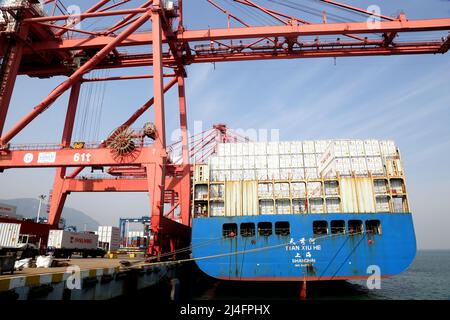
<point x="221" y="149"/>
<point x="213" y="163"/>
<point x="285" y="174"/>
<point x="308" y="147"/>
<point x="265" y="190"/>
<point x="391" y="148"/>
<point x="240" y="162"/>
<point x="285" y="161"/>
<point x="233" y="151"/>
<point x="311" y="173"/>
<point x="201" y="191"/>
<point x="356" y="148"/>
<point x="320" y="146"/>
<point x="272" y="147"/>
<point x="251" y="149"/>
<point x="236" y="175"/>
<point x="298" y="174"/>
<point x="239" y="149"/>
<point x="333" y="205"/>
<point x="251" y="162"/>
<point x="217" y="209"/>
<point x="314" y="189"/>
<point x="61" y="239"/>
<point x="338" y="165"/>
<point x="283" y="206"/>
<point x="260" y="148"/>
<point x="273" y="174"/>
<point x="310" y="160"/>
<point x="380" y="186"/>
<point x="216" y="175"/>
<point x="249" y="175"/>
<point x="261" y="162"/>
<point x="372" y="147"/>
<point x="298" y="189"/>
<point x="227" y="163"/>
<point x="226" y="175"/>
<point x="216" y="191"/>
<point x="281" y="189"/>
<point x="284" y="147"/>
<point x="299" y="206"/>
<point x="261" y="174"/>
<point x="9" y="235"/>
<point x="359" y="165"/>
<point x="266" y="207"/>
<point x="297" y="161"/>
<point x="375" y="165"/>
<point x="273" y="162"/>
<point x="296" y="147"/>
<point x="331" y="188"/>
<point x="316" y="205"/>
<point x="227" y="149"/>
<point x="382" y="204"/>
<point x="396" y="186"/>
<point x="109" y="235"/>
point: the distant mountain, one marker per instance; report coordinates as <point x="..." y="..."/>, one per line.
<point x="28" y="207"/>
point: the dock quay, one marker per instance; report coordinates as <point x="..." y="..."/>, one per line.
<point x="86" y="279"/>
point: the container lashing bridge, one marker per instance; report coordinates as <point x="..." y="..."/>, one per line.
<point x="42" y="40"/>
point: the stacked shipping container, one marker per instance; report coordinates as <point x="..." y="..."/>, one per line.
<point x="109" y="237"/>
<point x="300" y="177"/>
<point x="135" y="239"/>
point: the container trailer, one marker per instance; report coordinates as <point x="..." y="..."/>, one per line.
<point x="66" y="243"/>
<point x="12" y="241"/>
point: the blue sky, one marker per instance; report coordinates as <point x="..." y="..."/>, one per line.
<point x="404" y="98"/>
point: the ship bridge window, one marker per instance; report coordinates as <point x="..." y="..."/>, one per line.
<point x="320" y="227"/>
<point x="247" y="229"/>
<point x="282" y="228"/>
<point x="229" y="230"/>
<point x="337" y="227"/>
<point x="265" y="229"/>
<point x="373" y="226"/>
<point x="355" y="227"/>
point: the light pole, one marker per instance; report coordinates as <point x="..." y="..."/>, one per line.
<point x="41" y="198"/>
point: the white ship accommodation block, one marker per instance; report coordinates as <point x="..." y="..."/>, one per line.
<point x="301" y="177"/>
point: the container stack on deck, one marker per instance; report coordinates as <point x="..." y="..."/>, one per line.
<point x="320" y="176"/>
<point x="135" y="239"/>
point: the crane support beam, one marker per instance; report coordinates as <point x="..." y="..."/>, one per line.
<point x="52" y="158"/>
<point x="218" y="34"/>
<point x="58" y="197"/>
<point x="325" y="51"/>
<point x="185" y="192"/>
<point x="156" y="171"/>
<point x="9" y="70"/>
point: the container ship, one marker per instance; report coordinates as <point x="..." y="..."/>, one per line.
<point x="302" y="211"/>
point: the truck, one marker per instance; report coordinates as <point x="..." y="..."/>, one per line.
<point x="63" y="244"/>
<point x="13" y="242"/>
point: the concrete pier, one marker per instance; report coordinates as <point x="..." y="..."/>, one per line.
<point x="83" y="279"/>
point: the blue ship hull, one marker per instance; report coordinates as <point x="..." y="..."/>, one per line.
<point x="299" y="254"/>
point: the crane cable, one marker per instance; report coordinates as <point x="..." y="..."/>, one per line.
<point x="250" y="250"/>
<point x="87" y="126"/>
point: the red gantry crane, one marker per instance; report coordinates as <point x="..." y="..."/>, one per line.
<point x="41" y="39"/>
